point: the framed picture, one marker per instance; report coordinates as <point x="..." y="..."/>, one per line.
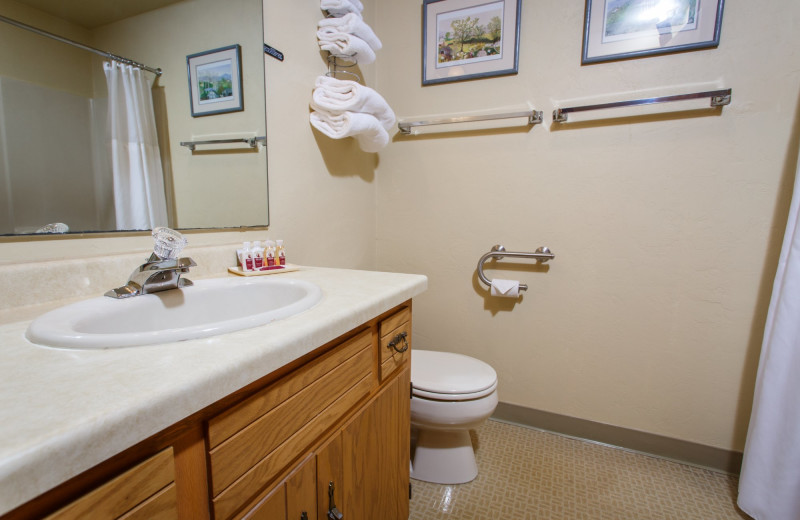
<point x="619" y="29"/>
<point x="469" y="39"/>
<point x="215" y="81"/>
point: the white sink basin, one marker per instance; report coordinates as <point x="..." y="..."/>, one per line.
<point x="208" y="308"/>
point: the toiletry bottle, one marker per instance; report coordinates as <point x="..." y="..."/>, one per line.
<point x="258" y="255"/>
<point x="270" y="254"/>
<point x="280" y="252"/>
<point x="248" y="257"/>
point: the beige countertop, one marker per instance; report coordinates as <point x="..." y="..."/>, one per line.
<point x="64" y="411"/>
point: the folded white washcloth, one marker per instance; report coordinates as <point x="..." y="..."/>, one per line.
<point x="341" y="7"/>
<point x="352" y="23"/>
<point x="345" y="44"/>
<point x="338" y="95"/>
<point x="367" y="130"/>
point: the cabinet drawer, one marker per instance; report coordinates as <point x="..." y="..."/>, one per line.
<point x="147" y="488"/>
<point x="284" y="419"/>
<point x="395" y="330"/>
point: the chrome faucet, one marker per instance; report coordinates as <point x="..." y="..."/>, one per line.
<point x="162" y="271"/>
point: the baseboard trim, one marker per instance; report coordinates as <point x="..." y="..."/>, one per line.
<point x="643" y="442"/>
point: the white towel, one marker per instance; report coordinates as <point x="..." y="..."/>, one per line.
<point x="341" y="7"/>
<point x="352" y="23"/>
<point x="367" y="130"/>
<point x="346" y="44"/>
<point x="338" y="95"/>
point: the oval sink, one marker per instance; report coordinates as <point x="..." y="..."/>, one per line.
<point x="208" y="308"/>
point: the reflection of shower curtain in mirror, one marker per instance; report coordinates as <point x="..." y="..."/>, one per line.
<point x="138" y="179"/>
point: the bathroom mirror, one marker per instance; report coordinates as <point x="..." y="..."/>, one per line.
<point x="54" y="148"/>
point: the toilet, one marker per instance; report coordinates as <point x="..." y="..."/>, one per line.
<point x="451" y="394"/>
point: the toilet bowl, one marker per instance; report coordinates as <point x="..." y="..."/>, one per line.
<point x="451" y="394"/>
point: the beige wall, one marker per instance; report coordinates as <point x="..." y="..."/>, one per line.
<point x="32" y="58"/>
<point x="666" y="232"/>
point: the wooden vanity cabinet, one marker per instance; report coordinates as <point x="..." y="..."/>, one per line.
<point x="363" y="458"/>
<point x="144" y="492"/>
<point x="271" y="450"/>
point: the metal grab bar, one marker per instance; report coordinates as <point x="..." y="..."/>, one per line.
<point x="718" y="98"/>
<point x="534" y="117"/>
<point x="251" y="141"/>
<point x="542" y="255"/>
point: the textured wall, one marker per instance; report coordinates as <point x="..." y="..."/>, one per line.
<point x="666" y="231"/>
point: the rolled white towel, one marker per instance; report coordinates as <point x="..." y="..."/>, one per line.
<point x="334" y="95"/>
<point x="367" y="130"/>
<point x="346" y="44"/>
<point x="341" y="7"/>
<point x="352" y="23"/>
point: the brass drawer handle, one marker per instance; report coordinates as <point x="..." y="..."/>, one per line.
<point x="396" y="341"/>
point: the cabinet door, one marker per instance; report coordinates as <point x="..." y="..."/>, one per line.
<point x="301" y="491"/>
<point x="271" y="507"/>
<point x="292" y="498"/>
<point x="375" y="455"/>
<point x="329" y="471"/>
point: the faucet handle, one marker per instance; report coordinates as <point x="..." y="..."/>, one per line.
<point x="168" y="243"/>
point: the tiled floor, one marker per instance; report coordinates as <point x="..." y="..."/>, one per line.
<point x="529" y="474"/>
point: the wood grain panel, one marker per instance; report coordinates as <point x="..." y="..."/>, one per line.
<point x="301" y="490"/>
<point x="125" y="492"/>
<point x="161" y="506"/>
<point x="252" y="482"/>
<point x="329" y="469"/>
<point x="229" y="423"/>
<point x="271" y="507"/>
<point x="376" y="468"/>
<point x="241" y="452"/>
<point x="394" y="321"/>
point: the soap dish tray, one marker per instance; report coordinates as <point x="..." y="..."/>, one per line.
<point x="275" y="270"/>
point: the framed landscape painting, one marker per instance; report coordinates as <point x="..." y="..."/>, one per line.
<point x="619" y="29"/>
<point x="215" y="81"/>
<point x="469" y="39"/>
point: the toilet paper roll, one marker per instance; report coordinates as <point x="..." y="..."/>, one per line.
<point x="505" y="288"/>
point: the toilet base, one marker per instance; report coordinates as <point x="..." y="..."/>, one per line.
<point x="444" y="457"/>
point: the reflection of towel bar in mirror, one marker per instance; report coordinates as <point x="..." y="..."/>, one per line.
<point x="541" y="255"/>
<point x="718" y="98"/>
<point x="251" y="141"/>
<point x="534" y="117"/>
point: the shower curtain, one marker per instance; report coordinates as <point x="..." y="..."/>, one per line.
<point x="139" y="198"/>
<point x="769" y="485"/>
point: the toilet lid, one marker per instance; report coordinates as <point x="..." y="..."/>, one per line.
<point x="448" y="374"/>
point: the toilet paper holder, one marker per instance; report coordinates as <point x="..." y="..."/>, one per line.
<point x="541" y="255"/>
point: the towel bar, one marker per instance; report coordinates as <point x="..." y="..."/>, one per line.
<point x="534" y="118"/>
<point x="251" y="141"/>
<point x="541" y="255"/>
<point x="719" y="98"/>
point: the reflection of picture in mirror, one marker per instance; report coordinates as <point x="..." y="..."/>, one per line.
<point x="625" y="19"/>
<point x="214" y="81"/>
<point x="470" y="35"/>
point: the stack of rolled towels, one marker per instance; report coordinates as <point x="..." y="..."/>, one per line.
<point x="344" y="108"/>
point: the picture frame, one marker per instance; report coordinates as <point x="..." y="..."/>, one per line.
<point x="215" y="81"/>
<point x="623" y="29"/>
<point x="469" y="39"/>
